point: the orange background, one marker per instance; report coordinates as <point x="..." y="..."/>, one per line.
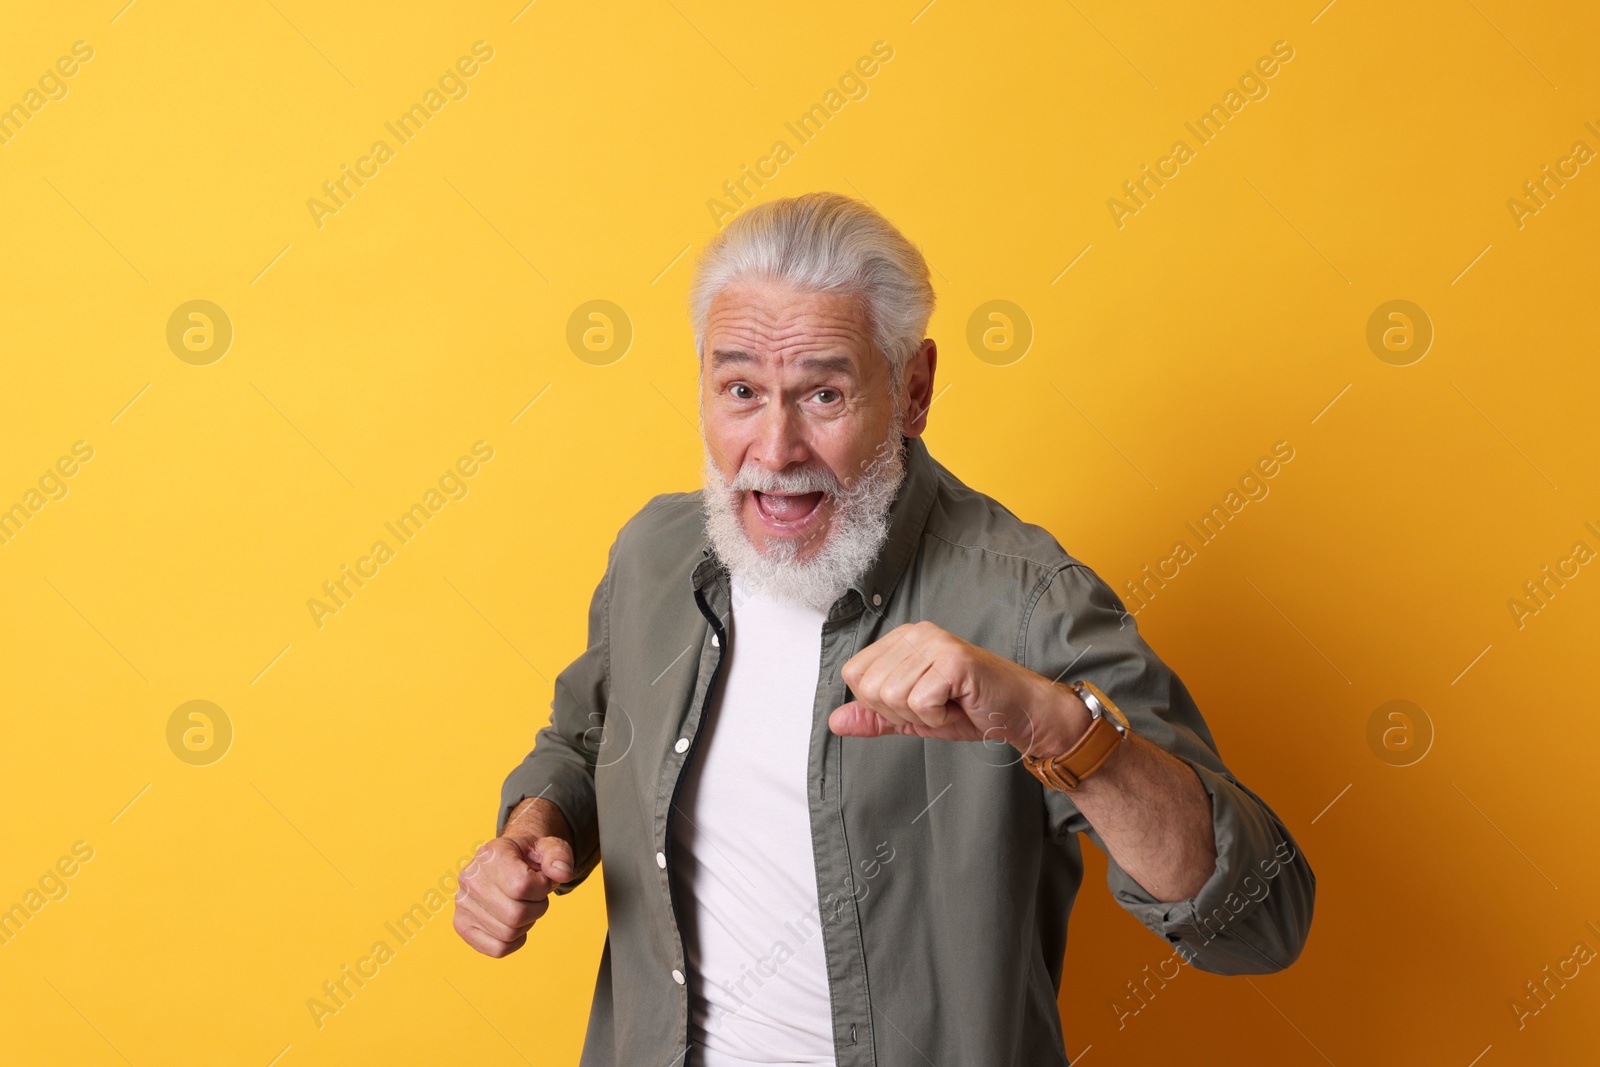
<point x="430" y="312"/>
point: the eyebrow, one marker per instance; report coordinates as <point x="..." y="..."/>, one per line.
<point x="722" y="357"/>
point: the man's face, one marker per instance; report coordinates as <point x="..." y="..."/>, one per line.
<point x="790" y="384"/>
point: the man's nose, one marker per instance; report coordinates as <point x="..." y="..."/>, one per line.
<point x="782" y="440"/>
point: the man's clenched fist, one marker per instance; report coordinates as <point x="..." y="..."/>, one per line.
<point x="921" y="680"/>
<point x="507" y="887"/>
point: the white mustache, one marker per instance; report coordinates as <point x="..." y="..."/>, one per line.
<point x="787" y="483"/>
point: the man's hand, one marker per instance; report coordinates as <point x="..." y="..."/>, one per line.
<point x="921" y="680"/>
<point x="506" y="888"/>
<point x="1150" y="807"/>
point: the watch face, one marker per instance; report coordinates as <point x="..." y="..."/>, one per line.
<point x="1101" y="705"/>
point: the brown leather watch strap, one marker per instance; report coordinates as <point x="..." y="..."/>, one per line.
<point x="1068" y="770"/>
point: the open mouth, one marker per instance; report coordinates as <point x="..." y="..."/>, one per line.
<point x="784" y="513"/>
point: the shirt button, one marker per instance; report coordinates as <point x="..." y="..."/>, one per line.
<point x="715" y="642"/>
<point x="661" y="860"/>
<point x="877" y="599"/>
<point x="682" y="745"/>
<point x="677" y="976"/>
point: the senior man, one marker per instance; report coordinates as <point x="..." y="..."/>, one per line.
<point x="842" y="718"/>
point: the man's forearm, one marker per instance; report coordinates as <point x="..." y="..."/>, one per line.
<point x="1147" y="805"/>
<point x="1154" y="816"/>
<point x="537" y="817"/>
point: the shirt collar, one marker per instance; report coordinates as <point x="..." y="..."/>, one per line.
<point x="907" y="517"/>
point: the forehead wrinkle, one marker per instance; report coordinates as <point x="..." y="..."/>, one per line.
<point x="789" y="332"/>
<point x="787" y="340"/>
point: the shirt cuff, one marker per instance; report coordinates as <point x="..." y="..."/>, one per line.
<point x="1228" y="927"/>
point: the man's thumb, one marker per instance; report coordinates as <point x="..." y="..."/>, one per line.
<point x="857" y="720"/>
<point x="553" y="857"/>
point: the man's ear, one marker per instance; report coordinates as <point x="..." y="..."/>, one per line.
<point x="919" y="386"/>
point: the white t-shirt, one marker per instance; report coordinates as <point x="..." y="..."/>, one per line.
<point x="758" y="985"/>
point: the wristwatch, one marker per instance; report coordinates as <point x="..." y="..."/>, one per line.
<point x="1108" y="728"/>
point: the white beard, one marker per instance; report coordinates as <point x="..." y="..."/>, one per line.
<point x="857" y="529"/>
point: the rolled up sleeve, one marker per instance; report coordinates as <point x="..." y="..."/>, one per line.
<point x="560" y="768"/>
<point x="1253" y="914"/>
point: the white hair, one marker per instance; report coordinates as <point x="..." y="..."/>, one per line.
<point x="824" y="242"/>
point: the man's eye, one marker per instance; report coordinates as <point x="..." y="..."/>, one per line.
<point x="742" y="392"/>
<point x="827" y="396"/>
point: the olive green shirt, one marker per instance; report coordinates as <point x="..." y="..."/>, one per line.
<point x="946" y="872"/>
